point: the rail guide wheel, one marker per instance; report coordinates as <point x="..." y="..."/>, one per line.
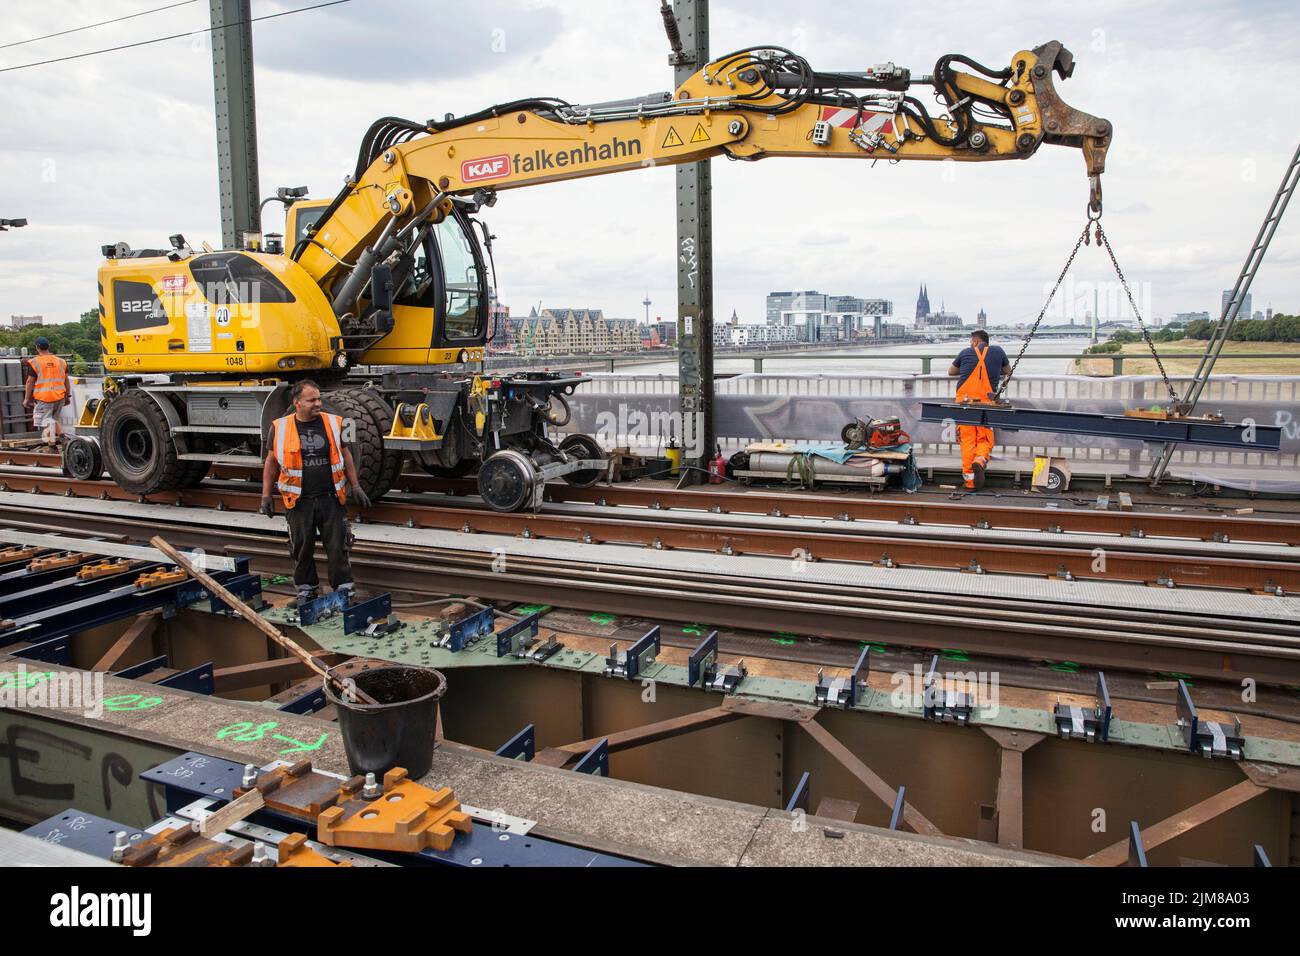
<point x="583" y="447"/>
<point x="508" y="481"/>
<point x="82" y="459"/>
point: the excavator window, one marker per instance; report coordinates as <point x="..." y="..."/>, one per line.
<point x="462" y="318"/>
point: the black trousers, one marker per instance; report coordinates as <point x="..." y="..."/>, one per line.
<point x="326" y="515"/>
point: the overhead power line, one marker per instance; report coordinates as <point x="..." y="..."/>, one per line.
<point x="101" y="23"/>
<point x="174" y="36"/>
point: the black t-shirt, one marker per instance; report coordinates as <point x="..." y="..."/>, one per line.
<point x="315" y="458"/>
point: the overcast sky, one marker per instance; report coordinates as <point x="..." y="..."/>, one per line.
<point x="1201" y="94"/>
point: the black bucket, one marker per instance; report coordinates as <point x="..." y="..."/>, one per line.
<point x="397" y="731"/>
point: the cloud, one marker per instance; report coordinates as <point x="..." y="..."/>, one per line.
<point x="121" y="147"/>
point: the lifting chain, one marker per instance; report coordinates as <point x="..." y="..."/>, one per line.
<point x="1103" y="241"/>
<point x="1146" y="336"/>
<point x="1083" y="237"/>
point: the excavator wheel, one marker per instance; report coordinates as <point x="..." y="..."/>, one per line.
<point x="137" y="446"/>
<point x="195" y="472"/>
<point x="377" y="467"/>
<point x="458" y="470"/>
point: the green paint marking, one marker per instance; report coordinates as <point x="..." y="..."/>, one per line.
<point x="527" y="609"/>
<point x="875" y="646"/>
<point x="131" y="702"/>
<point x="601" y="618"/>
<point x="1065" y="667"/>
<point x="246" y="732"/>
<point x="785" y="641"/>
<point x="300" y="747"/>
<point x="12" y="680"/>
<point x="696" y="629"/>
<point x="954" y="654"/>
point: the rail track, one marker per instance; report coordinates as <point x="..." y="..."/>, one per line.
<point x="1214" y="641"/>
<point x="792" y="527"/>
<point x="982" y="513"/>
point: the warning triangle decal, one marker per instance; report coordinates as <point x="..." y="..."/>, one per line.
<point x="672" y="139"/>
<point x="699" y="136"/>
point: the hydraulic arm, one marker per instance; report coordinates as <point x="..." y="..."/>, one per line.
<point x="748" y="105"/>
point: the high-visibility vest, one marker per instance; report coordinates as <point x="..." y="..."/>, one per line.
<point x="288" y="452"/>
<point x="51" y="378"/>
<point x="977" y="387"/>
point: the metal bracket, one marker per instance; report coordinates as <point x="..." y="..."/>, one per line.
<point x="842" y="691"/>
<point x="1207" y="737"/>
<point x="595" y="761"/>
<point x="518" y="639"/>
<point x="307" y="703"/>
<point x="373" y="617"/>
<point x="900" y="801"/>
<point x="940" y="704"/>
<point x="638" y="657"/>
<point x="1137" y="851"/>
<point x="799" y="798"/>
<point x="1089" y="724"/>
<point x="469" y="629"/>
<point x="522" y="746"/>
<point x="702" y="668"/>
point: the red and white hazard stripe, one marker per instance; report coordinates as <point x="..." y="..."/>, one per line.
<point x="871" y="122"/>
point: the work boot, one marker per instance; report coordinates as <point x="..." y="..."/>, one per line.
<point x="345" y="592"/>
<point x="978" y="468"/>
<point x="306" y="593"/>
<point x="969" y="477"/>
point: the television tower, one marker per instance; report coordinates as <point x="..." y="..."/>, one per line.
<point x="646" y="303"/>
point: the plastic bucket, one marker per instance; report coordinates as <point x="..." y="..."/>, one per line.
<point x="397" y="731"/>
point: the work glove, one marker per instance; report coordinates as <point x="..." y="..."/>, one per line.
<point x="268" y="506"/>
<point x="360" y="497"/>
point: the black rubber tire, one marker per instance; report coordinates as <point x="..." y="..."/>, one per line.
<point x="583" y="446"/>
<point x="137" y="446"/>
<point x="195" y="472"/>
<point x="82" y="459"/>
<point x="1055" y="481"/>
<point x="393" y="458"/>
<point x="376" y="470"/>
<point x="458" y="470"/>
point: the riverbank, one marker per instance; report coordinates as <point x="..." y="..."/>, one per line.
<point x="1284" y="359"/>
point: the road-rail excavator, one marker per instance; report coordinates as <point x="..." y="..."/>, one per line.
<point x="381" y="294"/>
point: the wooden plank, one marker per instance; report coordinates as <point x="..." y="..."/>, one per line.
<point x="870" y="779"/>
<point x="659" y="730"/>
<point x="140" y="629"/>
<point x="232" y="813"/>
<point x="836" y="809"/>
<point x="275" y="671"/>
<point x="259" y="622"/>
<point x="553" y="757"/>
<point x="1153" y="836"/>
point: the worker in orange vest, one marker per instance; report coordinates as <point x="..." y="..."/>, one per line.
<point x="47" y="392"/>
<point x="312" y="468"/>
<point x="978" y="369"/>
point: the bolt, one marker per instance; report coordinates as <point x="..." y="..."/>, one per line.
<point x="1040" y="70"/>
<point x="734" y="127"/>
<point x="372" y="788"/>
<point x="250" y="776"/>
<point x="259" y="856"/>
<point x="120" y="846"/>
<point x="978" y="140"/>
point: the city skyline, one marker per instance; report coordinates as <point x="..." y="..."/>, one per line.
<point x="570" y="242"/>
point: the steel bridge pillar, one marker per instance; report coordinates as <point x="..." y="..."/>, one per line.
<point x="232" y="80"/>
<point x="694" y="264"/>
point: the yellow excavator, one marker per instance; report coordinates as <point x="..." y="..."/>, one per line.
<point x="381" y="294"/>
